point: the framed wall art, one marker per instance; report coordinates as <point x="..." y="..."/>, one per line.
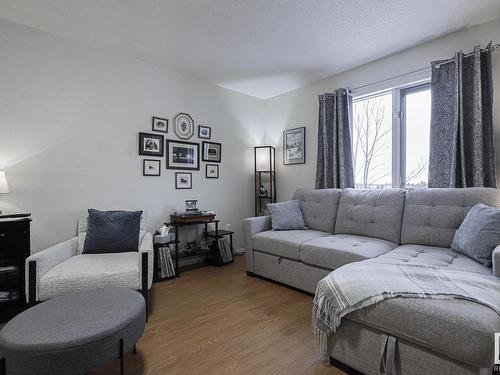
<point x="294" y="146"/>
<point x="183" y="155"/>
<point x="159" y="124"/>
<point x="183" y="126"/>
<point x="211" y="171"/>
<point x="151" y="167"/>
<point x="183" y="180"/>
<point x="150" y="144"/>
<point x="204" y="132"/>
<point x="211" y="151"/>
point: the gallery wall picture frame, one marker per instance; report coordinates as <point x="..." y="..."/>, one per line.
<point x="159" y="124"/>
<point x="294" y="146"/>
<point x="211" y="151"/>
<point x="183" y="180"/>
<point x="204" y="132"/>
<point x="151" y="167"/>
<point x="182" y="155"/>
<point x="151" y="144"/>
<point x="211" y="170"/>
<point x="183" y="125"/>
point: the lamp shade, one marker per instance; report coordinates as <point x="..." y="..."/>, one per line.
<point x="4" y="186"/>
<point x="264" y="158"/>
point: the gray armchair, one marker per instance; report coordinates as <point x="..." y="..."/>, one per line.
<point x="63" y="268"/>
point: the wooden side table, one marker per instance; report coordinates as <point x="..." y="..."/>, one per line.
<point x="14" y="249"/>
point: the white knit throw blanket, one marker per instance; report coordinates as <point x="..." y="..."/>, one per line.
<point x="362" y="284"/>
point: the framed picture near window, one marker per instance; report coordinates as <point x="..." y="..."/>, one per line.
<point x="183" y="180"/>
<point x="211" y="152"/>
<point x="150" y="144"/>
<point x="294" y="146"/>
<point x="204" y="132"/>
<point x="159" y="125"/>
<point x="151" y="167"/>
<point x="183" y="155"/>
<point x="211" y="171"/>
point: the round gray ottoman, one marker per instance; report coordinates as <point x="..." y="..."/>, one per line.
<point x="73" y="334"/>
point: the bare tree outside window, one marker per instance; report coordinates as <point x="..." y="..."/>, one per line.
<point x="372" y="122"/>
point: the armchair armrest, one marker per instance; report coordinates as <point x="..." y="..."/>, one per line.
<point x="252" y="226"/>
<point x="146" y="246"/>
<point x="48" y="259"/>
<point x="495" y="257"/>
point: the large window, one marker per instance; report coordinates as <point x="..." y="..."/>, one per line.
<point x="390" y="138"/>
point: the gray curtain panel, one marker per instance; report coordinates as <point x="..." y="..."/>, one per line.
<point x="461" y="145"/>
<point x="334" y="168"/>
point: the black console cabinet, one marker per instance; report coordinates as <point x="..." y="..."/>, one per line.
<point x="14" y="249"/>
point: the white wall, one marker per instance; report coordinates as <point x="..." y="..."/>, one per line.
<point x="300" y="107"/>
<point x="69" y="122"/>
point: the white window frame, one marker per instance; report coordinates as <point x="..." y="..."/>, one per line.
<point x="398" y="130"/>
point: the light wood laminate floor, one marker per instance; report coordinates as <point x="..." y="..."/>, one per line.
<point x="220" y="321"/>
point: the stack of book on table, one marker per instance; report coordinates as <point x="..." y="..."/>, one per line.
<point x="166" y="266"/>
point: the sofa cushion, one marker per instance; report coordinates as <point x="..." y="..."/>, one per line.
<point x="479" y="233"/>
<point x="285" y="244"/>
<point x="334" y="251"/>
<point x="371" y="213"/>
<point x="459" y="329"/>
<point x="433" y="256"/>
<point x="319" y="207"/>
<point x="286" y="215"/>
<point x="432" y="216"/>
<point x="91" y="271"/>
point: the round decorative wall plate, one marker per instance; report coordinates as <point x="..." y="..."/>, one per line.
<point x="184" y="126"/>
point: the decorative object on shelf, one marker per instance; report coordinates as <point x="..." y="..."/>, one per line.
<point x="183" y="126"/>
<point x="183" y="155"/>
<point x="150" y="144"/>
<point x="191" y="205"/>
<point x="212" y="171"/>
<point x="211" y="152"/>
<point x="294" y="146"/>
<point x="159" y="124"/>
<point x="204" y="132"/>
<point x="263" y="192"/>
<point x="151" y="167"/>
<point x="183" y="180"/>
<point x="4" y="186"/>
<point x="265" y="177"/>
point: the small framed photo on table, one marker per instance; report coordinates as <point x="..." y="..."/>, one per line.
<point x="211" y="152"/>
<point x="150" y="144"/>
<point x="159" y="124"/>
<point x="212" y="171"/>
<point x="183" y="180"/>
<point x="151" y="167"/>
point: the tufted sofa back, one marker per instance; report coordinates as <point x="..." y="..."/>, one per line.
<point x="432" y="216"/>
<point x="371" y="213"/>
<point x="319" y="207"/>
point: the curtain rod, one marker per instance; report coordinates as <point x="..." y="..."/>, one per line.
<point x="493" y="47"/>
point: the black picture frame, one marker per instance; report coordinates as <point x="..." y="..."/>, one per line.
<point x="205" y="146"/>
<point x="216" y="168"/>
<point x="145" y="168"/>
<point x="300" y="132"/>
<point x="146" y="150"/>
<point x="203" y="127"/>
<point x="155" y="120"/>
<point x="178" y="175"/>
<point x="171" y="164"/>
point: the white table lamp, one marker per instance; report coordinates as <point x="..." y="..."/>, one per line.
<point x="4" y="186"/>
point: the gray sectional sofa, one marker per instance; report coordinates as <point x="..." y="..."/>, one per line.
<point x="396" y="336"/>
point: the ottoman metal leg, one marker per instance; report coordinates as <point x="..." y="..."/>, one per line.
<point x="121" y="356"/>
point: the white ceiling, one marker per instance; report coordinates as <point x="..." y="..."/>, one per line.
<point x="258" y="47"/>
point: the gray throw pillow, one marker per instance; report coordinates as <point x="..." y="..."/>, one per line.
<point x="286" y="215"/>
<point x="479" y="233"/>
<point x="112" y="232"/>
